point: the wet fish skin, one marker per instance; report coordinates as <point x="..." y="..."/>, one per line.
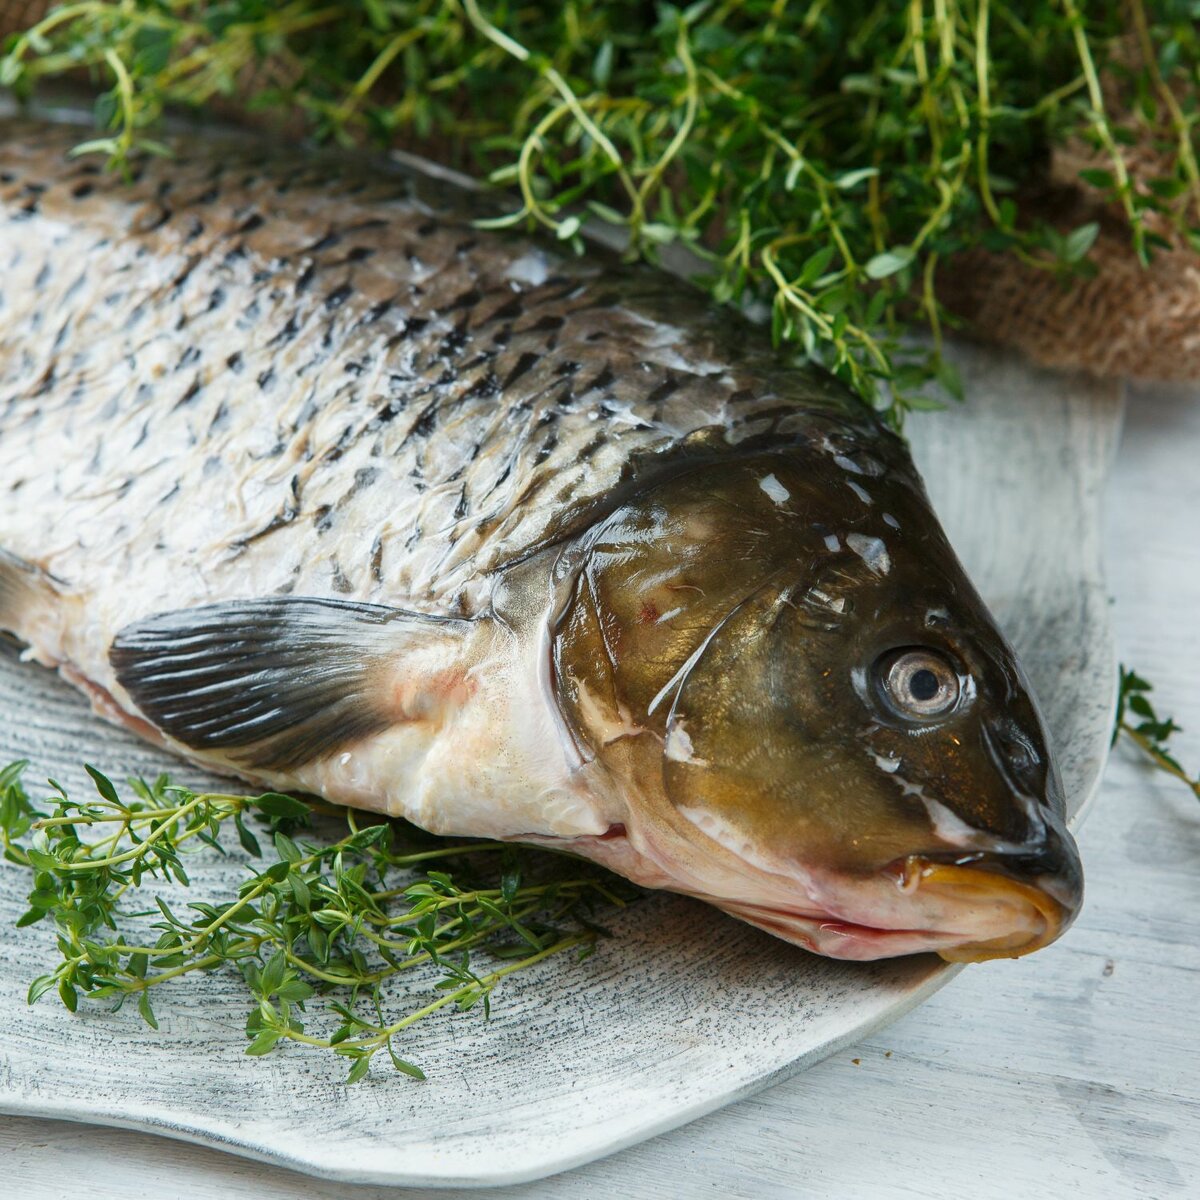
<point x="311" y="480"/>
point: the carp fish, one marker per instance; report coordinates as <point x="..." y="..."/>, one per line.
<point x="309" y="479"/>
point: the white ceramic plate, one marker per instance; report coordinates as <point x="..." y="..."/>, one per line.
<point x="682" y="1013"/>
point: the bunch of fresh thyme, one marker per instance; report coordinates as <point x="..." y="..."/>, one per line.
<point x="823" y="158"/>
<point x="335" y="920"/>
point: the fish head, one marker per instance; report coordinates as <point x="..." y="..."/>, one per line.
<point x="814" y="720"/>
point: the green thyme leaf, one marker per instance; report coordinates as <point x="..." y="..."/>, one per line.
<point x="103" y="784"/>
<point x="276" y="805"/>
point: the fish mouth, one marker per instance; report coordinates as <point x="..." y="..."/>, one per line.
<point x="962" y="913"/>
<point x="971" y="911"/>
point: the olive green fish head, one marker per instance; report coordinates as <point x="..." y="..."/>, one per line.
<point x="818" y="726"/>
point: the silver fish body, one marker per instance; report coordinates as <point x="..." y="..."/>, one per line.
<point x="306" y="477"/>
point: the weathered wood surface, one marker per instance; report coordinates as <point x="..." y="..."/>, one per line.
<point x="1022" y="1078"/>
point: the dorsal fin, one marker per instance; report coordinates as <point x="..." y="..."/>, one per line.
<point x="271" y="684"/>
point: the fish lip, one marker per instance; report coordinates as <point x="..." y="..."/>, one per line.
<point x="1048" y="915"/>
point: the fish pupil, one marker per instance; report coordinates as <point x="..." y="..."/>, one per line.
<point x="923" y="685"/>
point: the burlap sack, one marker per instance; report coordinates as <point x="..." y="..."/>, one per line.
<point x="1127" y="320"/>
<point x="1142" y="322"/>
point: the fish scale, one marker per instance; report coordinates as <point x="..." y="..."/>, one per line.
<point x="250" y="354"/>
<point x="309" y="478"/>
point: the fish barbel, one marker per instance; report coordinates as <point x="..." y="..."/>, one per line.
<point x="308" y="479"/>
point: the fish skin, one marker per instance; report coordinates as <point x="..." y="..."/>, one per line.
<point x="252" y="375"/>
<point x="278" y="361"/>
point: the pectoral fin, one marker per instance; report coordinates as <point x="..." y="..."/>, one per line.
<point x="271" y="684"/>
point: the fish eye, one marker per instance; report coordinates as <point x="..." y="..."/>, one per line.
<point x="918" y="682"/>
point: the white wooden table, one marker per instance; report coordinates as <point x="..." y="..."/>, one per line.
<point x="1072" y="1073"/>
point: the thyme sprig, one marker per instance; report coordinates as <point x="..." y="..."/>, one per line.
<point x="1138" y="720"/>
<point x="827" y="161"/>
<point x="337" y="918"/>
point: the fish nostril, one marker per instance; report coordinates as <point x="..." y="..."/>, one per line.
<point x="1016" y="756"/>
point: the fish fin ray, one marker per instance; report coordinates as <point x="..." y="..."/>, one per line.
<point x="269" y="684"/>
<point x="22" y="586"/>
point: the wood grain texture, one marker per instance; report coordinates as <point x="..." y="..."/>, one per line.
<point x="689" y="1010"/>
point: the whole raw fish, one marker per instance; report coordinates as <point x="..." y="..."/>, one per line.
<point x="308" y="479"/>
